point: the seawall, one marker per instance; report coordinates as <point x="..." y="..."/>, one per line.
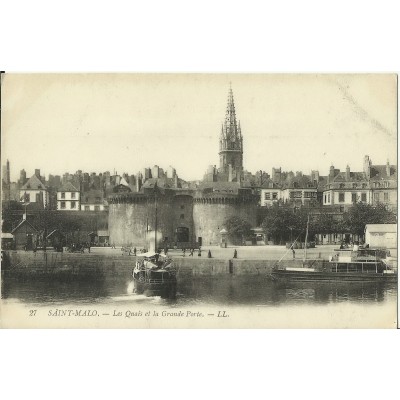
<point x="20" y="263"/>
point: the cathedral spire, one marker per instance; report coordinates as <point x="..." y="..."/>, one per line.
<point x="231" y="142"/>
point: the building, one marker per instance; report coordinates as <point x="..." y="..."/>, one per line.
<point x="345" y="189"/>
<point x="270" y="194"/>
<point x="381" y="235"/>
<point x="7" y="241"/>
<point x="25" y="235"/>
<point x="383" y="183"/>
<point x="93" y="200"/>
<point x="34" y="191"/>
<point x="376" y="184"/>
<point x="68" y="198"/>
<point x="288" y="188"/>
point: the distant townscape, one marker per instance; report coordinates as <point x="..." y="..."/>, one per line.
<point x="229" y="205"/>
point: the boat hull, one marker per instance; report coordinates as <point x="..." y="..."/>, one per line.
<point x="163" y="289"/>
<point x="323" y="276"/>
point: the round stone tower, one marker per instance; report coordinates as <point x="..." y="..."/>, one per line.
<point x="210" y="211"/>
<point x="133" y="218"/>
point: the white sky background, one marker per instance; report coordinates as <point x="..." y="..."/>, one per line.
<point x="97" y="122"/>
<point x="285" y="36"/>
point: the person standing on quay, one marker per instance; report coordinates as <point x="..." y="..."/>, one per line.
<point x="235" y="254"/>
<point x="209" y="254"/>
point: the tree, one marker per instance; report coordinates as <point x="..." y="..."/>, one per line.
<point x="237" y="228"/>
<point x="361" y="214"/>
<point x="284" y="223"/>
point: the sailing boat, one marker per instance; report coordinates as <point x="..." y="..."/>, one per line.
<point x="154" y="273"/>
<point x="357" y="265"/>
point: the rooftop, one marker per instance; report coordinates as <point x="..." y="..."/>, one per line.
<point x="34" y="183"/>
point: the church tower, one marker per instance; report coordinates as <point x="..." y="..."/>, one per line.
<point x="231" y="145"/>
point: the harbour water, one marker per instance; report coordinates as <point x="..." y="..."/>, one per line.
<point x="251" y="297"/>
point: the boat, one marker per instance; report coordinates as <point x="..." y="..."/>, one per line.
<point x="356" y="265"/>
<point x="154" y="275"/>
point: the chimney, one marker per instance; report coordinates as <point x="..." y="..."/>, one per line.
<point x="387" y="168"/>
<point x="37" y="173"/>
<point x="367" y="167"/>
<point x="139" y="182"/>
<point x="347" y="173"/>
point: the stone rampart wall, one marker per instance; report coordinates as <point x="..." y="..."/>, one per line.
<point x="20" y="263"/>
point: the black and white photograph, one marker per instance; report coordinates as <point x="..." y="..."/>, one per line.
<point x="199" y="200"/>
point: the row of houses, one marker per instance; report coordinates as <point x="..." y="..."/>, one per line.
<point x="376" y="184"/>
<point x="69" y="198"/>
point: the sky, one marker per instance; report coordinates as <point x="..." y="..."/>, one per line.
<point x="124" y="122"/>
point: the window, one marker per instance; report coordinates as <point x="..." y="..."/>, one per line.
<point x="341" y="197"/>
<point x="364" y="197"/>
<point x="37" y="197"/>
<point x="87" y="208"/>
<point x="73" y="195"/>
<point x="376" y="196"/>
<point x="386" y="196"/>
<point x="182" y="207"/>
<point x="296" y="195"/>
<point x="354" y="185"/>
<point x="73" y="204"/>
<point x="329" y="197"/>
<point x="354" y="198"/>
<point x="325" y="198"/>
<point x="341" y="186"/>
<point x="267" y="196"/>
<point x="62" y="204"/>
<point x="386" y="184"/>
<point x="27" y="197"/>
<point x="63" y="195"/>
<point x="182" y="216"/>
<point x="364" y="185"/>
<point x="96" y="208"/>
<point x="98" y="199"/>
<point x="275" y="196"/>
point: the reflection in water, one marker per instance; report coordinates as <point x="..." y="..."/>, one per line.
<point x="212" y="290"/>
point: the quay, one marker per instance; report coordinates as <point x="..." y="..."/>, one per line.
<point x="113" y="262"/>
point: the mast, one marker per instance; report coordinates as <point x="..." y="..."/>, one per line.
<point x="305" y="242"/>
<point x="155" y="228"/>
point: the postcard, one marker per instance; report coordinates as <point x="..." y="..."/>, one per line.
<point x="199" y="200"/>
